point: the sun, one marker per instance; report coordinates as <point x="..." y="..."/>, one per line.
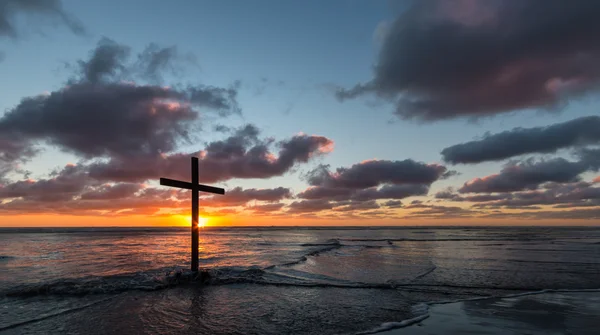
<point x="202" y="222"/>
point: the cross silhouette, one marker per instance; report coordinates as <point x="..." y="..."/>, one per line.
<point x="196" y="188"/>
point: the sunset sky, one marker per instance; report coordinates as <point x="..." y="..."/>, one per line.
<point x="306" y="112"/>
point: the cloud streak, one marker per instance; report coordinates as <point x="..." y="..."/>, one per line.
<point x="530" y="174"/>
<point x="520" y="141"/>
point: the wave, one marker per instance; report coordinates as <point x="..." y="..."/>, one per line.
<point x="328" y="246"/>
<point x="48" y="316"/>
<point x="276" y="275"/>
<point x="450" y="239"/>
<point x="151" y="281"/>
<point x="330" y="242"/>
<point x="421" y="310"/>
<point x="88" y="285"/>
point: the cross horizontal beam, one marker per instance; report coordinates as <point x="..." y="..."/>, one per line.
<point x="190" y="186"/>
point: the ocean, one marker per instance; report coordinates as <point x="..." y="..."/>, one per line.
<point x="300" y="280"/>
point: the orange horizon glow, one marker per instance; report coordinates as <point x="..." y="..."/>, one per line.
<point x="177" y="220"/>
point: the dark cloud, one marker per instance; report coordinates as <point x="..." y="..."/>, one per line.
<point x="106" y="62"/>
<point x="439" y="212"/>
<point x="521" y="141"/>
<point x="579" y="194"/>
<point x="390" y="192"/>
<point x="372" y="180"/>
<point x="238" y="196"/>
<point x="266" y="208"/>
<point x="102" y="120"/>
<point x="98" y="116"/>
<point x="71" y="191"/>
<point x="221" y="99"/>
<point x="357" y="206"/>
<point x="528" y="174"/>
<point x="112" y="192"/>
<point x="156" y="60"/>
<point x="359" y="187"/>
<point x="445" y="59"/>
<point x="323" y="192"/>
<point x="45" y="9"/>
<point x="393" y="204"/>
<point x="13" y="152"/>
<point x="63" y="185"/>
<point x="573" y="214"/>
<point x="447" y="194"/>
<point x="308" y="206"/>
<point x="375" y="172"/>
<point x="242" y="155"/>
<point x="143" y="203"/>
<point x="557" y="195"/>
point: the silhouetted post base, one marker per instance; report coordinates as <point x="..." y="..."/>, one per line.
<point x="196" y="188"/>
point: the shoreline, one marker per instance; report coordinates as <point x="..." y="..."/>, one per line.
<point x="540" y="312"/>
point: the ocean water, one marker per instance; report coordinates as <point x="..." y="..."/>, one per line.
<point x="281" y="280"/>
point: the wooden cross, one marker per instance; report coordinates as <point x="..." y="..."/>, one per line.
<point x="195" y="187"/>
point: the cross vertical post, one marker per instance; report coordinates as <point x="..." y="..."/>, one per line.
<point x="196" y="188"/>
<point x="195" y="210"/>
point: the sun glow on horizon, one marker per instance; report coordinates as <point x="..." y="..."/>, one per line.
<point x="187" y="221"/>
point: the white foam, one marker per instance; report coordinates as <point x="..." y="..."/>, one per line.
<point x="392" y="325"/>
<point x="515" y="295"/>
<point x="423" y="308"/>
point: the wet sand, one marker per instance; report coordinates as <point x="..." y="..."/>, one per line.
<point x="547" y="313"/>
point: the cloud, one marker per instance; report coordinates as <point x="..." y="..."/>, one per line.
<point x="448" y="59"/>
<point x="372" y="180"/>
<point x="530" y="174"/>
<point x="573" y="214"/>
<point x="106" y="62"/>
<point x="146" y="202"/>
<point x="96" y="115"/>
<point x="359" y="186"/>
<point x="526" y="175"/>
<point x="568" y="195"/>
<point x="13" y="152"/>
<point x="241" y="155"/>
<point x="521" y="141"/>
<point x="558" y="195"/>
<point x="70" y="190"/>
<point x="265" y="209"/>
<point x="63" y="185"/>
<point x="46" y="9"/>
<point x="390" y="192"/>
<point x="375" y="172"/>
<point x="155" y="60"/>
<point x="238" y="196"/>
<point x="393" y="204"/>
<point x="112" y="192"/>
<point x="439" y="212"/>
<point x="308" y="206"/>
<point x="360" y="206"/>
<point x="102" y="120"/>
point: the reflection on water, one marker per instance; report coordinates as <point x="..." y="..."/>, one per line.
<point x="273" y="281"/>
